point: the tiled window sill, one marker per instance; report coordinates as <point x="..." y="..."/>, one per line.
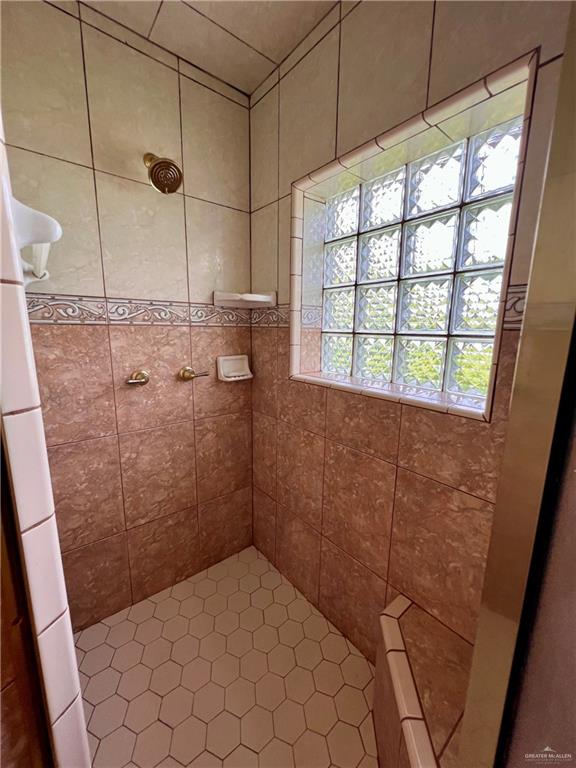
<point x="471" y="407"/>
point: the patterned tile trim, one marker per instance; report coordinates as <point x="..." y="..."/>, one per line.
<point x="75" y="310"/>
<point x="312" y="317"/>
<point x="514" y="308"/>
<point x="129" y="312"/>
<point x="273" y="317"/>
<point x="83" y="310"/>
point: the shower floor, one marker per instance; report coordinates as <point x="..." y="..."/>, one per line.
<point x="231" y="667"/>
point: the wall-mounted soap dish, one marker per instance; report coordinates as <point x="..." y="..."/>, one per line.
<point x="233" y="368"/>
<point x="244" y="300"/>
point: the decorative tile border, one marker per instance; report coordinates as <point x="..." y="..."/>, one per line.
<point x="90" y="310"/>
<point x="272" y="317"/>
<point x="311" y="317"/>
<point x="514" y="307"/>
<point x="77" y="310"/>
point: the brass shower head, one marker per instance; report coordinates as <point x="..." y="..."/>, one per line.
<point x="163" y="173"/>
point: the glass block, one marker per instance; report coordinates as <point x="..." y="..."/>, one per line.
<point x="430" y="244"/>
<point x="469" y="362"/>
<point x="373" y="357"/>
<point x="342" y="214"/>
<point x="340" y="262"/>
<point x="376" y="307"/>
<point x="494" y="159"/>
<point x="382" y="200"/>
<point x="336" y="353"/>
<point x="338" y="313"/>
<point x="435" y="181"/>
<point x="424" y="304"/>
<point x="379" y="255"/>
<point x="476" y="302"/>
<point x="420" y="362"/>
<point x="484" y="233"/>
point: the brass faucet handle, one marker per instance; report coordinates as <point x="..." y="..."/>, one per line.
<point x="139" y="377"/>
<point x="188" y="374"/>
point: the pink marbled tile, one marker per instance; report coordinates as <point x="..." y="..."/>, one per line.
<point x="265" y="369"/>
<point x="310" y="350"/>
<point x="264" y="524"/>
<point x="161" y="350"/>
<point x="87" y="491"/>
<point x="298" y="553"/>
<point x="463" y="453"/>
<point x="300" y="471"/>
<point x="358" y="502"/>
<point x="75" y="377"/>
<point x="223" y="454"/>
<point x="450" y="757"/>
<point x="440" y="662"/>
<point x="225" y="526"/>
<point x="213" y="397"/>
<point x="440" y="540"/>
<point x="163" y="552"/>
<point x="369" y="424"/>
<point x="351" y="597"/>
<point x="158" y="472"/>
<point x="303" y="405"/>
<point x="283" y="356"/>
<point x="264" y="438"/>
<point x="97" y="580"/>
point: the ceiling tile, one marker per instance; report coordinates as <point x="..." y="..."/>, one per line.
<point x="273" y="27"/>
<point x="182" y="30"/>
<point x="136" y="14"/>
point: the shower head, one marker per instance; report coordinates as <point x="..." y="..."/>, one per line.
<point x="164" y="174"/>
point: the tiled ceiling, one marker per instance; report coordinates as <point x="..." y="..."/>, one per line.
<point x="239" y="41"/>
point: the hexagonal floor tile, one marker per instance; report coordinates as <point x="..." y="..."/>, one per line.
<point x="205" y="588"/>
<point x="208" y="702"/>
<point x="167" y="609"/>
<point x="185" y="649"/>
<point x="320" y="713"/>
<point x="253" y="665"/>
<point x="291" y="633"/>
<point x="345" y="745"/>
<point x="156" y="653"/>
<point x="188" y="740"/>
<point x="176" y="706"/>
<point x="238" y="602"/>
<point x="120" y="633"/>
<point x="316" y="627"/>
<point x="134" y="682"/>
<point x="281" y="660"/>
<point x="227" y="586"/>
<point x="256" y="728"/>
<point x="152" y="745"/>
<point x="196" y="674"/>
<point x="251" y="618"/>
<point x="115" y="749"/>
<point x="308" y="653"/>
<point x="351" y="705"/>
<point x="334" y="648"/>
<point x="271" y="580"/>
<point x="175" y="628"/>
<point x="96" y="660"/>
<point x="143" y="711"/>
<point x="92" y="637"/>
<point x="239" y="642"/>
<point x="226" y="622"/>
<point x="311" y="750"/>
<point x="107" y="716"/>
<point x="278" y="754"/>
<point x="299" y="609"/>
<point x="191" y="606"/>
<point x="270" y="691"/>
<point x="284" y="594"/>
<point x="240" y="697"/>
<point x="212" y="646"/>
<point x="223" y="734"/>
<point x="165" y="677"/>
<point x="275" y="615"/>
<point x="127" y="656"/>
<point x="299" y="685"/>
<point x="141" y="611"/>
<point x="206" y="760"/>
<point x="148" y="630"/>
<point x="356" y="671"/>
<point x="101" y="686"/>
<point x="215" y="604"/>
<point x="289" y="722"/>
<point x="225" y="669"/>
<point x="265" y="638"/>
<point x="328" y="677"/>
<point x="182" y="590"/>
<point x="201" y="625"/>
<point x="242" y="757"/>
<point x="261" y="598"/>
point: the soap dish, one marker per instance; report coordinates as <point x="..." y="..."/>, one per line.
<point x="233" y="368"/>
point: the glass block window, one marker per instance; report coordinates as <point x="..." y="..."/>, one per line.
<point x="413" y="266"/>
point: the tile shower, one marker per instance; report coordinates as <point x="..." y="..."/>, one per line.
<point x="228" y="548"/>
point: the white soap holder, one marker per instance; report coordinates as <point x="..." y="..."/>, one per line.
<point x="234" y="368"/>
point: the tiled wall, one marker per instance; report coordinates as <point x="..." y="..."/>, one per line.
<point x="150" y="483"/>
<point x="358" y="499"/>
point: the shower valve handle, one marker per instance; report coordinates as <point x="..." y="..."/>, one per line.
<point x="138" y="377"/>
<point x="188" y="374"/>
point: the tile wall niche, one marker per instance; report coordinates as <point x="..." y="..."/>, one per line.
<point x="150" y="483"/>
<point x="357" y="499"/>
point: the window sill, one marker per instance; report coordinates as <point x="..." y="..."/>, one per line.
<point x="461" y="405"/>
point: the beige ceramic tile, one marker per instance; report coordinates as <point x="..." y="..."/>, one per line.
<point x="264" y="249"/>
<point x="218" y="249"/>
<point x="264" y="150"/>
<point x="215" y="136"/>
<point x="133" y="106"/>
<point x="383" y="68"/>
<point x="274" y="33"/>
<point x="472" y="39"/>
<point x="43" y="95"/>
<point x="308" y="113"/>
<point x="195" y="38"/>
<point x="284" y="250"/>
<point x="66" y="192"/>
<point x="137" y="15"/>
<point x="143" y="240"/>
